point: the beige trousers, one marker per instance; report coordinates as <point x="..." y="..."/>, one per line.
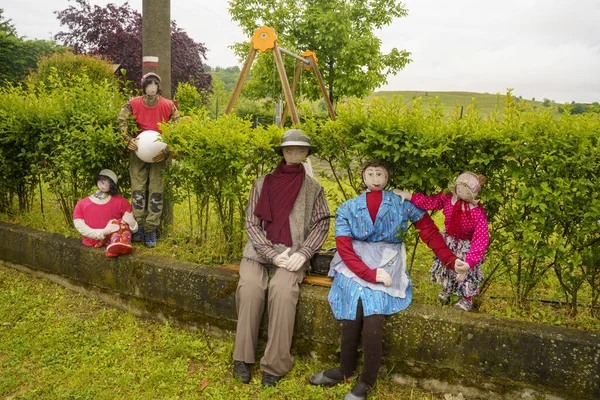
<point x="250" y="300"/>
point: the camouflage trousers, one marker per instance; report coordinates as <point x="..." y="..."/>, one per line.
<point x="147" y="191"/>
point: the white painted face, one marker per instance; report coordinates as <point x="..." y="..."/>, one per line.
<point x="104" y="185"/>
<point x="294" y="154"/>
<point x="152" y="89"/>
<point x="375" y="178"/>
<point x="464" y="193"/>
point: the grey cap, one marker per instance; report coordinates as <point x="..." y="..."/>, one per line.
<point x="295" y="137"/>
<point x="110" y="174"/>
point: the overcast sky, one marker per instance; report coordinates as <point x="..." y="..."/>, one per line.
<point x="542" y="49"/>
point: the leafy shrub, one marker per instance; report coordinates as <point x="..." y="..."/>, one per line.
<point x="60" y="71"/>
<point x="217" y="161"/>
<point x="543" y="177"/>
<point x="188" y="99"/>
<point x="61" y="129"/>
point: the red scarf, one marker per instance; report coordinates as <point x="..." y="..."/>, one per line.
<point x="454" y="230"/>
<point x="276" y="200"/>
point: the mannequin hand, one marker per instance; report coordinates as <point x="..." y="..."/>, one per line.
<point x="161" y="156"/>
<point x="461" y="269"/>
<point x="132" y="145"/>
<point x="296" y="262"/>
<point x="403" y="194"/>
<point x="282" y="259"/>
<point x="129" y="219"/>
<point x="383" y="277"/>
<point x="111" y="227"/>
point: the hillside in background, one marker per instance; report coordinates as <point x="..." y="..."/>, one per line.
<point x="486" y="102"/>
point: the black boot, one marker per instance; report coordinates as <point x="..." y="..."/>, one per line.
<point x="358" y="392"/>
<point x="241" y="371"/>
<point x="269" y="379"/>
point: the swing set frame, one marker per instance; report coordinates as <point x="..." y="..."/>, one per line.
<point x="265" y="39"/>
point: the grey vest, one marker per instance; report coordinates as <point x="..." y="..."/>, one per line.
<point x="299" y="217"/>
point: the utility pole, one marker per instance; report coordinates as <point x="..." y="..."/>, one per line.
<point x="156" y="57"/>
<point x="156" y="41"/>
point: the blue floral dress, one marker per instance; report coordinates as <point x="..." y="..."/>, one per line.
<point x="353" y="220"/>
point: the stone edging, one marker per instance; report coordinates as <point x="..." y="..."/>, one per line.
<point x="437" y="347"/>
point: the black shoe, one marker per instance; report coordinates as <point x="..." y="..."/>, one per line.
<point x="270" y="380"/>
<point x="241" y="371"/>
<point x="150" y="239"/>
<point x="138" y="236"/>
<point x="320" y="379"/>
<point x="358" y="392"/>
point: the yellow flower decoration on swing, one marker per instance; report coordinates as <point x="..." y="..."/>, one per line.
<point x="309" y="54"/>
<point x="264" y="38"/>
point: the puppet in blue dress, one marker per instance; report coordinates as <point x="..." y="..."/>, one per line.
<point x="369" y="273"/>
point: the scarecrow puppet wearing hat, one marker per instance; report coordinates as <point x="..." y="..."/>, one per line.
<point x="149" y="110"/>
<point x="287" y="221"/>
<point x="105" y="218"/>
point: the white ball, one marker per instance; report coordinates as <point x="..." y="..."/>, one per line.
<point x="149" y="145"/>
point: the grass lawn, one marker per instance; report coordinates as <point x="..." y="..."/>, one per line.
<point x="57" y="344"/>
<point x="486" y="102"/>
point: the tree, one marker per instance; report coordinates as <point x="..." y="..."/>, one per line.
<point x="6" y="26"/>
<point x="340" y="32"/>
<point x="228" y="75"/>
<point x="115" y="32"/>
<point x="18" y="57"/>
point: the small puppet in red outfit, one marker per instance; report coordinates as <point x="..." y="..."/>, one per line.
<point x="105" y="218"/>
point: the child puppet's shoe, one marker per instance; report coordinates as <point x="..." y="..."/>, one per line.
<point x="115" y="249"/>
<point x="443" y="298"/>
<point x="463" y="305"/>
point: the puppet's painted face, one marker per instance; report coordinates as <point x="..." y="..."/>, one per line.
<point x="467" y="187"/>
<point x="464" y="193"/>
<point x="104" y="184"/>
<point x="376" y="178"/>
<point x="294" y="154"/>
<point x="152" y="88"/>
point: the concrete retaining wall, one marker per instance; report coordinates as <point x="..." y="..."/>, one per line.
<point x="438" y="348"/>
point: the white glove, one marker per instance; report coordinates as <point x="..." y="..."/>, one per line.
<point x="461" y="268"/>
<point x="383" y="277"/>
<point x="296" y="262"/>
<point x="129" y="219"/>
<point x="403" y="194"/>
<point x="282" y="259"/>
<point x="111" y="227"/>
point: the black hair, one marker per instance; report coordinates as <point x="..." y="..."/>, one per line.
<point x="148" y="81"/>
<point x="114" y="188"/>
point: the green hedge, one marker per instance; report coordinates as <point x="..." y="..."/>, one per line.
<point x="543" y="178"/>
<point x="60" y="129"/>
<point x="216" y="160"/>
<point x="541" y="195"/>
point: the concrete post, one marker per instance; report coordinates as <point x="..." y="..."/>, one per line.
<point x="156" y="41"/>
<point x="156" y="57"/>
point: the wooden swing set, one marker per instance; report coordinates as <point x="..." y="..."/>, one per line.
<point x="265" y="39"/>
